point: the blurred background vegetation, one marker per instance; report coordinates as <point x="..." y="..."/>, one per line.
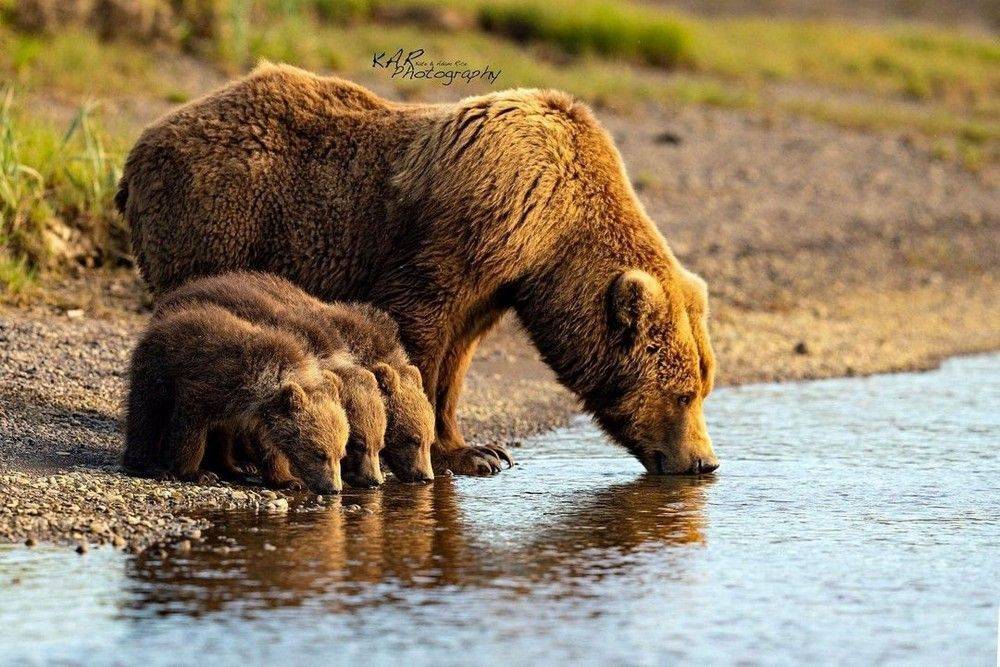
<point x="80" y="78"/>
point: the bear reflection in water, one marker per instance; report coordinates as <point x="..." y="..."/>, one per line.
<point x="420" y="537"/>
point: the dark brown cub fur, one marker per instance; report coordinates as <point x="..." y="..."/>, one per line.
<point x="395" y="411"/>
<point x="200" y="368"/>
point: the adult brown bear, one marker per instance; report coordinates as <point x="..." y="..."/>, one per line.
<point x="445" y="216"/>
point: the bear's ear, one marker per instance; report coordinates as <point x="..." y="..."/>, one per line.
<point x="290" y="398"/>
<point x="333" y="383"/>
<point x="388" y="378"/>
<point x="696" y="292"/>
<point x="634" y="297"/>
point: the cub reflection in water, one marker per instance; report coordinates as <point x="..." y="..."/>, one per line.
<point x="418" y="537"/>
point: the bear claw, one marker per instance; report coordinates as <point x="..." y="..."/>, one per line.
<point x="480" y="461"/>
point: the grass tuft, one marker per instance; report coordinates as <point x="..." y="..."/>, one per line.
<point x="593" y="26"/>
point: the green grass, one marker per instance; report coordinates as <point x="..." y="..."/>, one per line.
<point x="77" y="63"/>
<point x="593" y="26"/>
<point x="17" y="277"/>
<point x="909" y="61"/>
<point x="56" y="182"/>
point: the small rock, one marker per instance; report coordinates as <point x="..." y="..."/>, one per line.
<point x="447" y="473"/>
<point x="269" y="547"/>
<point x="278" y="505"/>
<point x="184" y="546"/>
<point x="74" y="313"/>
<point x="667" y="137"/>
<point x="82" y="548"/>
<point x="30" y="542"/>
<point x="801" y="348"/>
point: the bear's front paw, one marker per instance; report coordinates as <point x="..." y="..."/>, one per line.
<point x="248" y="469"/>
<point x="479" y="461"/>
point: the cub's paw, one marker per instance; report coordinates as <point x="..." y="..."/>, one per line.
<point x="292" y="485"/>
<point x="198" y="477"/>
<point x="479" y="461"/>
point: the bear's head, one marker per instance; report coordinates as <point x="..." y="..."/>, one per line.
<point x="362" y="399"/>
<point x="410" y="428"/>
<point x="309" y="426"/>
<point x="659" y="370"/>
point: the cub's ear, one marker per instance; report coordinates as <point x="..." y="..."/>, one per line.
<point x="333" y="383"/>
<point x="388" y="378"/>
<point x="634" y="297"/>
<point x="413" y="373"/>
<point x="290" y="398"/>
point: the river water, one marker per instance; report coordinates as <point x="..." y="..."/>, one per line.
<point x="852" y="521"/>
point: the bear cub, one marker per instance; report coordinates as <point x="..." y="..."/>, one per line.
<point x="371" y="338"/>
<point x="200" y="370"/>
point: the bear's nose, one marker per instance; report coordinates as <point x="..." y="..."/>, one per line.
<point x="703" y="466"/>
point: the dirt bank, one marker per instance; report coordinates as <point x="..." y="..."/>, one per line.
<point x="827" y="253"/>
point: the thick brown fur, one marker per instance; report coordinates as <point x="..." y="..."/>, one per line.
<point x="200" y="368"/>
<point x="382" y="391"/>
<point x="445" y="216"/>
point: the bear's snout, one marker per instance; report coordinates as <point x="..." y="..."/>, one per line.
<point x="699" y="465"/>
<point x="702" y="466"/>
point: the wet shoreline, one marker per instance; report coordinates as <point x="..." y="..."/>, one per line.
<point x="60" y="398"/>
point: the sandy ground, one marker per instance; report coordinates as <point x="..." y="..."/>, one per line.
<point x="827" y="252"/>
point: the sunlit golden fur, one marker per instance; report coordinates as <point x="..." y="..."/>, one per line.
<point x="445" y="216"/>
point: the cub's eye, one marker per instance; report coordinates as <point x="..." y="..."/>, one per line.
<point x="684" y="400"/>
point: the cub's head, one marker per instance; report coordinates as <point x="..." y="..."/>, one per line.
<point x="309" y="426"/>
<point x="410" y="423"/>
<point x="660" y="369"/>
<point x="366" y="418"/>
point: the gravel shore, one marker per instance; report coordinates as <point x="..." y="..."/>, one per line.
<point x="827" y="253"/>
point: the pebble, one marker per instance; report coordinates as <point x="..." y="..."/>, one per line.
<point x="82" y="548"/>
<point x="30" y="542"/>
<point x="269" y="547"/>
<point x="278" y="505"/>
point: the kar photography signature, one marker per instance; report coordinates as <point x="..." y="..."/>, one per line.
<point x="413" y="65"/>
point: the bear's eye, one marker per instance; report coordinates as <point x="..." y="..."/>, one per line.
<point x="684" y="399"/>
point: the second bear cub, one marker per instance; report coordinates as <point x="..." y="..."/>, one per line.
<point x="201" y="368"/>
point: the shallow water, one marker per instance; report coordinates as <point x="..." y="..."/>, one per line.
<point x="852" y="521"/>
